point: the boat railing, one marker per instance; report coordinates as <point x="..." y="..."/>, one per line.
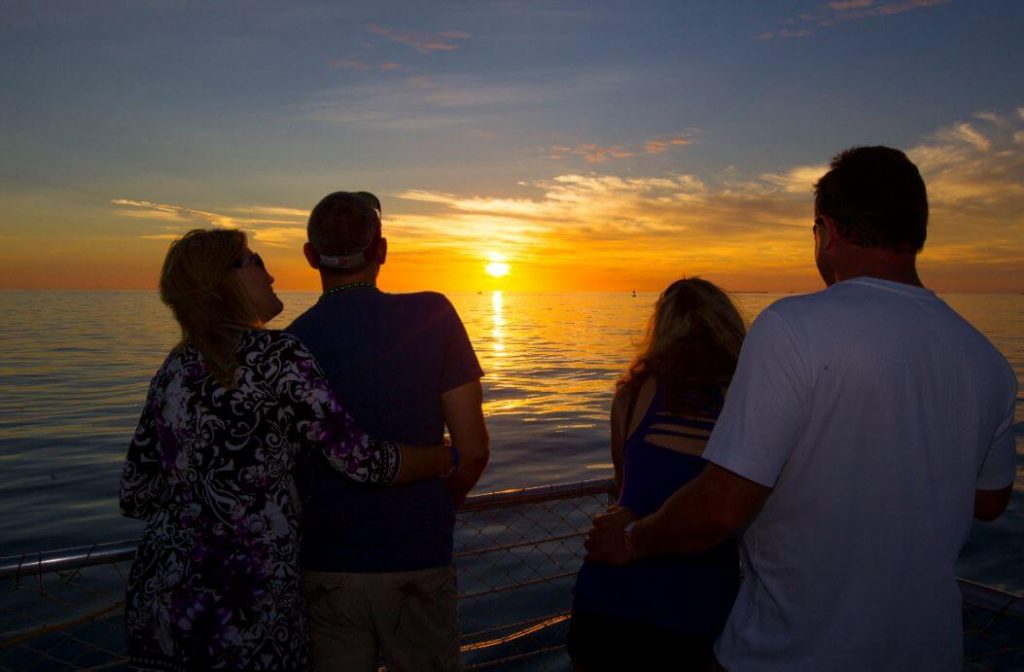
<point x="517" y="553"/>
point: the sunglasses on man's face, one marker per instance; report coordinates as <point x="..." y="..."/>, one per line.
<point x="253" y="259"/>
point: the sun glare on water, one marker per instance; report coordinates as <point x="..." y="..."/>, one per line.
<point x="497" y="268"/>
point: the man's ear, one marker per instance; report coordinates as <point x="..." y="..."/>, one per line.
<point x="382" y="251"/>
<point x="312" y="256"/>
<point x="828" y="234"/>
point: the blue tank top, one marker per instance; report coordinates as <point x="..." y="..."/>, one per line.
<point x="691" y="594"/>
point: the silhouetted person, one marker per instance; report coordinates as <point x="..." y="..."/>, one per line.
<point x="864" y="426"/>
<point x="377" y="563"/>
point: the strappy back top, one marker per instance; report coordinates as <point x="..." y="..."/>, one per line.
<point x="691" y="594"/>
<point x="664" y="452"/>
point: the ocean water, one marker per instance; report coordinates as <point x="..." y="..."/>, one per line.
<point x="75" y="366"/>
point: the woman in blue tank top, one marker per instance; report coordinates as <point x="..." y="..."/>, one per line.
<point x="666" y="609"/>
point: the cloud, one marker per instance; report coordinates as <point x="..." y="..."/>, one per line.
<point x="594" y="153"/>
<point x="659" y="145"/>
<point x="667" y="219"/>
<point x="858" y="10"/>
<point x="785" y="34"/>
<point x="662" y="225"/>
<point x="354" y="64"/>
<point x="747" y="223"/>
<point x="274" y="211"/>
<point x="166" y="212"/>
<point x="840" y="11"/>
<point x="976" y="196"/>
<point x="436" y="102"/>
<point x="424" y="43"/>
<point x="990" y="117"/>
<point x="968" y="171"/>
<point x="965" y="133"/>
<point x="799" y="180"/>
<point x="850" y="4"/>
<point x="273" y="225"/>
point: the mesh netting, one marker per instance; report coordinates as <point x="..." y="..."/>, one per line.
<point x="517" y="555"/>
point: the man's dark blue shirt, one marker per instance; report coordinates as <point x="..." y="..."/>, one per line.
<point x="389" y="358"/>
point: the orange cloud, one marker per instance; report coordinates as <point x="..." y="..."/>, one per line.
<point x="353" y="64"/>
<point x="591" y="230"/>
<point x="755" y="230"/>
<point x="273" y="225"/>
<point x="840" y="11"/>
<point x="594" y="153"/>
<point x="424" y="43"/>
<point x="850" y="4"/>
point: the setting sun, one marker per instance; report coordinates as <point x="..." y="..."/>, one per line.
<point x="497" y="268"/>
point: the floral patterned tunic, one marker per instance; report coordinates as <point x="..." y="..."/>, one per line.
<point x="215" y="583"/>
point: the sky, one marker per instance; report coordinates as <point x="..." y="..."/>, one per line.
<point x="588" y="145"/>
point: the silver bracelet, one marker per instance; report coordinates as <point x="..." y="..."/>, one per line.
<point x="627" y="534"/>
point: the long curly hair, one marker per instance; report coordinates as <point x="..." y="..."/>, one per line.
<point x="692" y="345"/>
<point x="199" y="284"/>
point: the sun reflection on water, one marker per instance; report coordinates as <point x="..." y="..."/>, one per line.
<point x="498" y="321"/>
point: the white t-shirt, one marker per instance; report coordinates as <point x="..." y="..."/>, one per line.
<point x="874" y="411"/>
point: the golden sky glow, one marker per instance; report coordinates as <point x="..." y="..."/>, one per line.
<point x="670" y="147"/>
<point x="580" y="231"/>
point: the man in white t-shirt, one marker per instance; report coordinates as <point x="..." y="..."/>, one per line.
<point x="865" y="425"/>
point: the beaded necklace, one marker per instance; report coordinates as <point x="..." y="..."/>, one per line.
<point x="345" y="288"/>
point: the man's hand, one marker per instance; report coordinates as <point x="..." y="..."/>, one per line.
<point x="606" y="540"/>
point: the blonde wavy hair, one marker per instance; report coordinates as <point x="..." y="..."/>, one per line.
<point x="199" y="284"/>
<point x="692" y="344"/>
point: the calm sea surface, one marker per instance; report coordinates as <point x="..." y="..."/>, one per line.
<point x="75" y="366"/>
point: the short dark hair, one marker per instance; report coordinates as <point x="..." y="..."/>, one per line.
<point x="876" y="197"/>
<point x="346" y="223"/>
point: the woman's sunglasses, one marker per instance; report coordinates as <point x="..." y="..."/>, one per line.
<point x="252" y="259"/>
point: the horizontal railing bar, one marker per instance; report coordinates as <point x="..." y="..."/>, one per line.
<point x="46" y="562"/>
<point x="52" y="561"/>
<point x="991" y="599"/>
<point x="527" y="624"/>
<point x="511" y="547"/>
<point x="513" y="636"/>
<point x="515" y="586"/>
<point x="540" y="493"/>
<point x="100" y="554"/>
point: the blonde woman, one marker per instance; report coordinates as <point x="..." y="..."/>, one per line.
<point x="666" y="611"/>
<point x="215" y="582"/>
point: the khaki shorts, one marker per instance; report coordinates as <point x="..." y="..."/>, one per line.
<point x="407" y="620"/>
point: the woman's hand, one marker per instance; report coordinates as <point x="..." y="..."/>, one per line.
<point x="433" y="461"/>
<point x="453" y="458"/>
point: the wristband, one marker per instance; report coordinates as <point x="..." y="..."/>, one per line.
<point x="454" y="453"/>
<point x="627" y="535"/>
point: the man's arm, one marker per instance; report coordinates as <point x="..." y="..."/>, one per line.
<point x="616" y="419"/>
<point x="990" y="504"/>
<point x="463" y="413"/>
<point x="702" y="514"/>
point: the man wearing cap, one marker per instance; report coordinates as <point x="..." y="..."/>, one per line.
<point x="377" y="562"/>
